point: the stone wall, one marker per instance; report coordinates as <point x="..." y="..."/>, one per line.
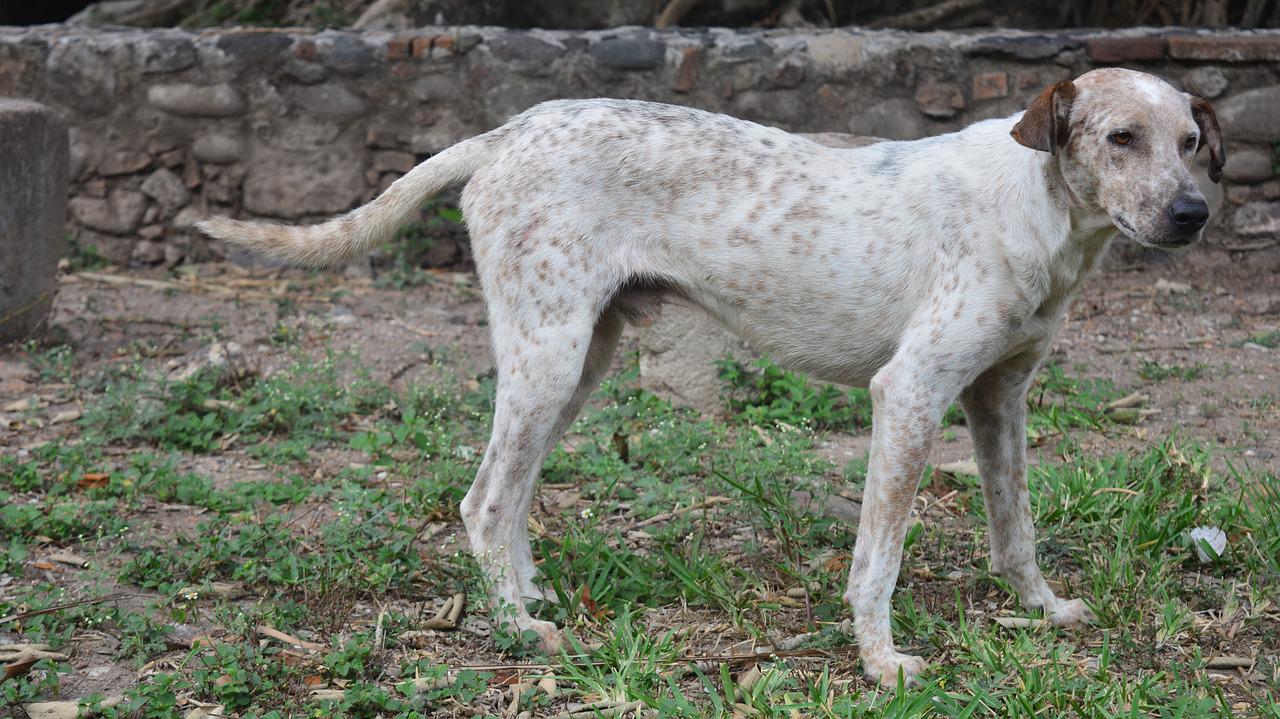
<point x="168" y="125"/>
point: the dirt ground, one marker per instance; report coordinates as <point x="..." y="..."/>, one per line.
<point x="1189" y="330"/>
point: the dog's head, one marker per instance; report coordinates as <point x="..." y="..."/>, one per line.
<point x="1124" y="141"/>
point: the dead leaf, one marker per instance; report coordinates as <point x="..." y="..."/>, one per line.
<point x="218" y="590"/>
<point x="74" y="560"/>
<point x="26" y="404"/>
<point x="289" y="639"/>
<point x="64" y="710"/>
<point x="1227" y="662"/>
<point x="1166" y="287"/>
<point x="1137" y="399"/>
<point x="93" y="480"/>
<point x="66" y="415"/>
<point x="964" y="466"/>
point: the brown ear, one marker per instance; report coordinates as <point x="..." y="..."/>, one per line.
<point x="1045" y="125"/>
<point x="1210" y="134"/>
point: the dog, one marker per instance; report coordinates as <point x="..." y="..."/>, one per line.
<point x="928" y="271"/>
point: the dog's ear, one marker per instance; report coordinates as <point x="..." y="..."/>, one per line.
<point x="1045" y="126"/>
<point x="1210" y="134"/>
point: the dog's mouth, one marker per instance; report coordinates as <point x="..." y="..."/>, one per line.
<point x="1125" y="226"/>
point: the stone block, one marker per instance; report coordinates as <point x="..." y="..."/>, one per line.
<point x="990" y="85"/>
<point x="1258" y="219"/>
<point x="124" y="162"/>
<point x="347" y="53"/>
<point x="255" y="48"/>
<point x="1237" y="48"/>
<point x="629" y="53"/>
<point x="189" y="100"/>
<point x="524" y="49"/>
<point x="940" y="100"/>
<point x="1249" y="165"/>
<point x="1253" y="115"/>
<point x="167" y="189"/>
<point x="1205" y="81"/>
<point x="293" y="185"/>
<point x="33" y="208"/>
<point x="678" y="354"/>
<point x="218" y="148"/>
<point x="895" y="119"/>
<point x="834" y="51"/>
<point x="119" y="213"/>
<point x="1124" y="49"/>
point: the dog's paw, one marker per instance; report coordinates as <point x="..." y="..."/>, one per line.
<point x="1070" y="613"/>
<point x="549" y="637"/>
<point x="884" y="668"/>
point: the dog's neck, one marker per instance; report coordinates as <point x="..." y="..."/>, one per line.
<point x="1071" y="234"/>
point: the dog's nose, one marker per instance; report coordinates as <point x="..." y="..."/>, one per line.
<point x="1189" y="213"/>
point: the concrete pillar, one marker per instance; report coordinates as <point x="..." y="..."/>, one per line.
<point x="33" y="210"/>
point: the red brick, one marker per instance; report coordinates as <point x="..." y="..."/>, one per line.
<point x="443" y="42"/>
<point x="830" y="99"/>
<point x="421" y="47"/>
<point x="1028" y="80"/>
<point x="990" y="85"/>
<point x="305" y="50"/>
<point x="687" y="74"/>
<point x="1251" y="48"/>
<point x="1124" y="49"/>
<point x="398" y="48"/>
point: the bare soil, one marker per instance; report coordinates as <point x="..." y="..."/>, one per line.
<point x="1128" y="315"/>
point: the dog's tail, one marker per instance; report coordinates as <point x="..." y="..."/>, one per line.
<point x="362" y="229"/>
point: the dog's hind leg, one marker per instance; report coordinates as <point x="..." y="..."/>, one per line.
<point x="604" y="340"/>
<point x="547" y="343"/>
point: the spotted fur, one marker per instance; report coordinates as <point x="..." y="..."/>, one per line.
<point x="929" y="271"/>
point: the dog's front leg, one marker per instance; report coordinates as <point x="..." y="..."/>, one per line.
<point x="905" y="418"/>
<point x="996" y="406"/>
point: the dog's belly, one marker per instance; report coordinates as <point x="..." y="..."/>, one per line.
<point x="840" y="322"/>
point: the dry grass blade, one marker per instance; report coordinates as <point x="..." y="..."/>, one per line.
<point x="448" y="614"/>
<point x="216" y="590"/>
<point x="74" y="560"/>
<point x="602" y="709"/>
<point x="1228" y="662"/>
<point x="64" y="710"/>
<point x="1020" y="622"/>
<point x="19" y="658"/>
<point x="67" y="605"/>
<point x="289" y="639"/>
<point x="1137" y="399"/>
<point x="664" y="516"/>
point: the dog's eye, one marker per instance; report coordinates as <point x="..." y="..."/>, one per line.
<point x="1120" y="137"/>
<point x="1190" y="144"/>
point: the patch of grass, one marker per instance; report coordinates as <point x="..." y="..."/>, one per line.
<point x="765" y="394"/>
<point x="306" y="400"/>
<point x="1266" y="338"/>
<point x="84" y="257"/>
<point x="411" y="244"/>
<point x="1156" y="372"/>
<point x="1058" y="402"/>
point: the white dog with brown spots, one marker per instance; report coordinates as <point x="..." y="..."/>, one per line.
<point x="928" y="270"/>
